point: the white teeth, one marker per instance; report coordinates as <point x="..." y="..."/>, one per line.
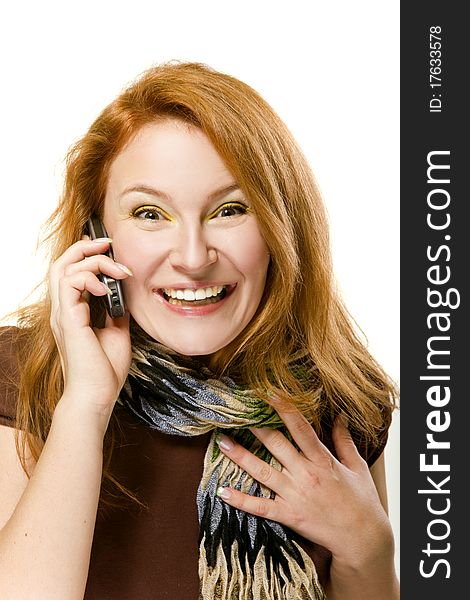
<point x="194" y="294"/>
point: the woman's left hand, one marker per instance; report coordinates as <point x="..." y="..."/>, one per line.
<point x="332" y="502"/>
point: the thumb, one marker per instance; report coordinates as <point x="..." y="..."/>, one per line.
<point x="345" y="447"/>
<point x="115" y="340"/>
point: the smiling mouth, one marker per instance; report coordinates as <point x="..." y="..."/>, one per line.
<point x="196" y="296"/>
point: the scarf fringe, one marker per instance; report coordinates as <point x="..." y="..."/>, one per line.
<point x="246" y="582"/>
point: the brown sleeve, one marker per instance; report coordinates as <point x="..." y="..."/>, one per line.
<point x="8" y="375"/>
<point x="372" y="452"/>
<point x="368" y="449"/>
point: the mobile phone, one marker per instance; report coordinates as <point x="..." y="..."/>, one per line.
<point x="114" y="302"/>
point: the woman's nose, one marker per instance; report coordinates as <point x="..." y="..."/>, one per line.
<point x="192" y="251"/>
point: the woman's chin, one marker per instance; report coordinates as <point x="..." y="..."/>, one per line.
<point x="196" y="350"/>
<point x="189" y="346"/>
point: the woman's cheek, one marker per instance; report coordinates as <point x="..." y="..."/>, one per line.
<point x="138" y="252"/>
<point x="248" y="249"/>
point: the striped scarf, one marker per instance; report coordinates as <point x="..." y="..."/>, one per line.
<point x="241" y="556"/>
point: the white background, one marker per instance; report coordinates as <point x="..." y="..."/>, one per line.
<point x="330" y="69"/>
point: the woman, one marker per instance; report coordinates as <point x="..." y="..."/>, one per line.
<point x="233" y="386"/>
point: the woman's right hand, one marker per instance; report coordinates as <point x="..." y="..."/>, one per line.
<point x="95" y="362"/>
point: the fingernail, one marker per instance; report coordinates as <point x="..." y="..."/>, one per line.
<point x="224" y="492"/>
<point x="102" y="240"/>
<point x="344" y="420"/>
<point x="224" y="442"/>
<point x="107" y="290"/>
<point x="126" y="270"/>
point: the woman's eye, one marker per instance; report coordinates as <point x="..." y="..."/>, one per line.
<point x="230" y="209"/>
<point x="148" y="213"/>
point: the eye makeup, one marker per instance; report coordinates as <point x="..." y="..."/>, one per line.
<point x="236" y="208"/>
<point x="149" y="209"/>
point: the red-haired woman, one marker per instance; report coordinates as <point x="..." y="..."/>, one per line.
<point x="224" y="438"/>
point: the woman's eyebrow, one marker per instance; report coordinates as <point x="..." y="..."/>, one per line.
<point x="145" y="189"/>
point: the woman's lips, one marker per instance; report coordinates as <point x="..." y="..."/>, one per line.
<point x="214" y="298"/>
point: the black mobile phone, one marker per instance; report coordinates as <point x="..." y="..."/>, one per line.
<point x="115" y="301"/>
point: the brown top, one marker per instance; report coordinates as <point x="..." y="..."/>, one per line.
<point x="147" y="554"/>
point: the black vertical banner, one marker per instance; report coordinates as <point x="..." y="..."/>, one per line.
<point x="435" y="315"/>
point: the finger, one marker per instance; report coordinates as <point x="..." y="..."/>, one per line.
<point x="70" y="294"/>
<point x="261" y="507"/>
<point x="279" y="446"/>
<point x="99" y="263"/>
<point x="78" y="251"/>
<point x="83" y="281"/>
<point x="304" y="435"/>
<point x="113" y="325"/>
<point x="345" y="447"/>
<point x="116" y="345"/>
<point x="254" y="466"/>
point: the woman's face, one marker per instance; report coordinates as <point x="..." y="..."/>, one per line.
<point x="184" y="228"/>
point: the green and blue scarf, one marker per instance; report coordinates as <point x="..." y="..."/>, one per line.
<point x="241" y="556"/>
